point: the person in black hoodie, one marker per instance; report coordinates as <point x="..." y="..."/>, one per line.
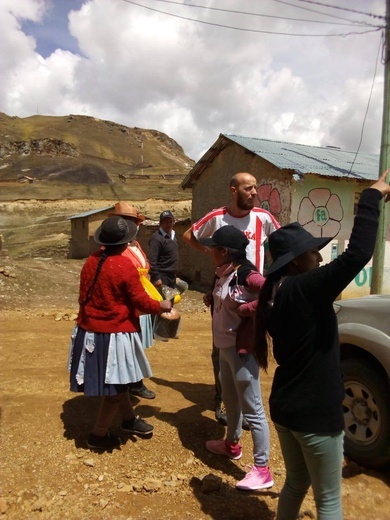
<point x="296" y="311"/>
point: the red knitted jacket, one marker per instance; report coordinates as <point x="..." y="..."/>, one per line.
<point x="115" y="297"/>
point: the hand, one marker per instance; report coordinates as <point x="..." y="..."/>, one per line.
<point x="383" y="186"/>
<point x="208" y="298"/>
<point x="165" y="305"/>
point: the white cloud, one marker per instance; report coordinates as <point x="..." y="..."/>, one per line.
<point x="194" y="81"/>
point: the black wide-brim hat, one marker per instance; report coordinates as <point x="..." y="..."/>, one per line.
<point x="290" y="241"/>
<point x="115" y="231"/>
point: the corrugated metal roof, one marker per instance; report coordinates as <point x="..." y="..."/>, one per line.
<point x="92" y="212"/>
<point x="301" y="158"/>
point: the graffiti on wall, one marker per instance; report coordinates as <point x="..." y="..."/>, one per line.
<point x="321" y="213"/>
<point x="269" y="199"/>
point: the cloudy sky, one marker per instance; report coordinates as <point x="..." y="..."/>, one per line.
<point x="293" y="70"/>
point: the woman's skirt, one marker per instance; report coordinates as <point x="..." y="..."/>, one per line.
<point x="146" y="324"/>
<point x="98" y="362"/>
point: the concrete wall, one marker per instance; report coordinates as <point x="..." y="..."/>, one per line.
<point x="327" y="207"/>
<point x="81" y="243"/>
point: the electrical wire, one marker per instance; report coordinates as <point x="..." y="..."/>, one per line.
<point x="343" y="9"/>
<point x="352" y="33"/>
<point x="311" y="10"/>
<point x="381" y="45"/>
<point x="347" y="22"/>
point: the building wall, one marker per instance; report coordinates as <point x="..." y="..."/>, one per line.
<point x="211" y="190"/>
<point x="81" y="243"/>
<point x="326" y="207"/>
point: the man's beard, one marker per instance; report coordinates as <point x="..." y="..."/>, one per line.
<point x="245" y="204"/>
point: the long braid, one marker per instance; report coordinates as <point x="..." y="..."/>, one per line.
<point x="98" y="269"/>
<point x="263" y="339"/>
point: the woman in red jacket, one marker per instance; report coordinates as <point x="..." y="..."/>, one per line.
<point x="106" y="352"/>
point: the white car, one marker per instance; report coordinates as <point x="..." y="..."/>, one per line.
<point x="364" y="330"/>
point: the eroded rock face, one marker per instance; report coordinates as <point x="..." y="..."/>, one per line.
<point x="46" y="146"/>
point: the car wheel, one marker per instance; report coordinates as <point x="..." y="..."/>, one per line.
<point x="366" y="408"/>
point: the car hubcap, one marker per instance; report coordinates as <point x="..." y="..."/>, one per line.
<point x="361" y="414"/>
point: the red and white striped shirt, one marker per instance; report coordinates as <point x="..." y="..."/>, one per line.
<point x="257" y="225"/>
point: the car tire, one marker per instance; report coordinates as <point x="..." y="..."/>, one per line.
<point x="366" y="409"/>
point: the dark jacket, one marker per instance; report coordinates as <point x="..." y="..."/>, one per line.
<point x="308" y="390"/>
<point x="163" y="256"/>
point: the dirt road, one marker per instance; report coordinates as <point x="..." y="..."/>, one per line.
<point x="48" y="473"/>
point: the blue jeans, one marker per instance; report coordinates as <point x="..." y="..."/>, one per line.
<point x="242" y="397"/>
<point x="311" y="459"/>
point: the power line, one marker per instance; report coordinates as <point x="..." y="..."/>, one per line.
<point x="348" y="22"/>
<point x="343" y="9"/>
<point x="381" y="45"/>
<point x="313" y="10"/>
<point x="249" y="30"/>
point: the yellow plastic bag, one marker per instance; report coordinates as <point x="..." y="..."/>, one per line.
<point x="150" y="288"/>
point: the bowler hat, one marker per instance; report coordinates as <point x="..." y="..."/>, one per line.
<point x="122" y="209"/>
<point x="115" y="231"/>
<point x="226" y="236"/>
<point x="290" y="241"/>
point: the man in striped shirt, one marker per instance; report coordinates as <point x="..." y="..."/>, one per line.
<point x="256" y="223"/>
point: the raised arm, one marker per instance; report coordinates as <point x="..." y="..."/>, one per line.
<point x="189" y="238"/>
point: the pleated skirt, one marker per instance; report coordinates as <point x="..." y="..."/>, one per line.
<point x="146" y="324"/>
<point x="99" y="362"/>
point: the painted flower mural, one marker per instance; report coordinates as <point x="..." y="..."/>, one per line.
<point x="269" y="199"/>
<point x="321" y="213"/>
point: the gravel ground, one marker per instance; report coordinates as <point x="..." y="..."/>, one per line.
<point x="47" y="471"/>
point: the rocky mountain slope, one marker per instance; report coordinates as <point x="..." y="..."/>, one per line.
<point x="82" y="151"/>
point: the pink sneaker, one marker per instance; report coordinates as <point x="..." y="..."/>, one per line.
<point x="257" y="478"/>
<point x="222" y="447"/>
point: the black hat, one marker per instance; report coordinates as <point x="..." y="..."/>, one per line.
<point x="115" y="231"/>
<point x="290" y="241"/>
<point x="226" y="236"/>
<point x="166" y="214"/>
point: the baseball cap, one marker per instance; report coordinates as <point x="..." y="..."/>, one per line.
<point x="166" y="214"/>
<point x="226" y="236"/>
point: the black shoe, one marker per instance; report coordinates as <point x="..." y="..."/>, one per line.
<point x="108" y="442"/>
<point x="142" y="391"/>
<point x="220" y="414"/>
<point x="137" y="425"/>
<point x="245" y="425"/>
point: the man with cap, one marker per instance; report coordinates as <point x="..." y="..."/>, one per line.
<point x="296" y="310"/>
<point x="163" y="255"/>
<point x="138" y="258"/>
<point x="256" y="223"/>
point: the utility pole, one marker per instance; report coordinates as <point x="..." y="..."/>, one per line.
<point x="378" y="261"/>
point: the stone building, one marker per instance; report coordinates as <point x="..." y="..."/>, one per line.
<point x="316" y="186"/>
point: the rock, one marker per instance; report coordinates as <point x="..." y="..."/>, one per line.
<point x="152" y="485"/>
<point x="125" y="488"/>
<point x="103" y="503"/>
<point x="89" y="462"/>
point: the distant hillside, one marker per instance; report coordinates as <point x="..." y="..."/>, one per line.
<point x="46" y="157"/>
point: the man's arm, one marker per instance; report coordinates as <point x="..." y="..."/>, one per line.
<point x="189" y="238"/>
